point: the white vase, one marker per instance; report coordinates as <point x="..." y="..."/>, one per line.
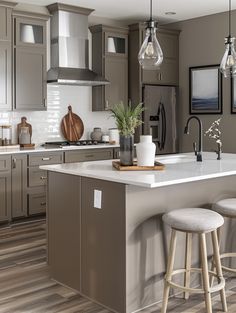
<point x="146" y="151"/>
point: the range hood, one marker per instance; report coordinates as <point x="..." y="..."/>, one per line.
<point x="69" y="47"/>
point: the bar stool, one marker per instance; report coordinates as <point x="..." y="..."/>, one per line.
<point x="226" y="208"/>
<point x="189" y="221"/>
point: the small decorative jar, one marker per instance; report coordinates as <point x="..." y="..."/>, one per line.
<point x="146" y="150"/>
<point x="6" y="135"/>
<point x="114" y="136"/>
<point x="96" y="134"/>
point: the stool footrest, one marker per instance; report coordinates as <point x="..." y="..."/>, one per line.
<point x="215" y="288"/>
<point x="228" y="255"/>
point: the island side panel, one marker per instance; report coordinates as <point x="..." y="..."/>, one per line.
<point x="64" y="227"/>
<point x="148" y="238"/>
<point x="103" y="243"/>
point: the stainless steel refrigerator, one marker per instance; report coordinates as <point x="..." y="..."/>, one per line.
<point x="159" y="117"/>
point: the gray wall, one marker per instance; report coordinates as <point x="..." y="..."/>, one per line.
<point x="202" y="43"/>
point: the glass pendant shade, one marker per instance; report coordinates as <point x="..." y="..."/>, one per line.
<point x="228" y="63"/>
<point x="150" y="54"/>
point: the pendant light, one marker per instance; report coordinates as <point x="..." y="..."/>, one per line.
<point x="228" y="62"/>
<point x="150" y="54"/>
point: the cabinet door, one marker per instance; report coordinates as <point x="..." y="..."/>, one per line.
<point x="19" y="186"/>
<point x="5" y="23"/>
<point x="168" y="73"/>
<point x="116" y="71"/>
<point x="5" y="188"/>
<point x="30" y="32"/>
<point x="5" y="77"/>
<point x="30" y="79"/>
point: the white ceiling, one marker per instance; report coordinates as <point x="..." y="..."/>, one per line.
<point x="135" y="10"/>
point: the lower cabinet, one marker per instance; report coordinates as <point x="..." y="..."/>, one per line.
<point x="19" y="186"/>
<point x="5" y="188"/>
<point x="37" y="203"/>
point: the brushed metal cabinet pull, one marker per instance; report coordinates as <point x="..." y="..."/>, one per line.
<point x="45" y="102"/>
<point x="89" y="155"/>
<point x="46" y="159"/>
<point x="43" y="177"/>
<point x="14" y="163"/>
<point x="43" y="203"/>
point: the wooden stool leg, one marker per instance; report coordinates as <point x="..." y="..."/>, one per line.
<point x="205" y="275"/>
<point x="170" y="265"/>
<point x="218" y="267"/>
<point x="213" y="261"/>
<point x="188" y="258"/>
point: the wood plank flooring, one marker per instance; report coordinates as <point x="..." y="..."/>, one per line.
<point x="25" y="285"/>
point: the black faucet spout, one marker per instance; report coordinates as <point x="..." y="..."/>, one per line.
<point x="186" y="131"/>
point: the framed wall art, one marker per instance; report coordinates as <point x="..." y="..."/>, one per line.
<point x="205" y="90"/>
<point x="233" y="95"/>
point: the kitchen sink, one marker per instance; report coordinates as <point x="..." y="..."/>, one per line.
<point x="176" y="158"/>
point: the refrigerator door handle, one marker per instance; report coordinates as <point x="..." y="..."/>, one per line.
<point x="163" y="126"/>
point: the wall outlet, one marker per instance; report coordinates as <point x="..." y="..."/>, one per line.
<point x="97" y="200"/>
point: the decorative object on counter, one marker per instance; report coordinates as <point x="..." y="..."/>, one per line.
<point x="127" y="119"/>
<point x="157" y="166"/>
<point x="72" y="126"/>
<point x="105" y="138"/>
<point x="96" y="134"/>
<point x="214" y="133"/>
<point x="228" y="62"/>
<point x="24" y="133"/>
<point x="6" y="135"/>
<point x="150" y="54"/>
<point x="114" y="137"/>
<point x="146" y="151"/>
<point x="204" y="100"/>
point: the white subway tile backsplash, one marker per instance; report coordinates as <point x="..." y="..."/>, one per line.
<point x="46" y="124"/>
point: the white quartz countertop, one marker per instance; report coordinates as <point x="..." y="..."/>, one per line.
<point x="179" y="168"/>
<point x="9" y="150"/>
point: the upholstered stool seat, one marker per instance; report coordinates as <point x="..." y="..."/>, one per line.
<point x="189" y="221"/>
<point x="193" y="220"/>
<point x="227" y="208"/>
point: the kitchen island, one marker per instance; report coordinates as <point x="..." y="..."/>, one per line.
<point x="105" y="234"/>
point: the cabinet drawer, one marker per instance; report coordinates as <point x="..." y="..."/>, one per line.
<point x="88" y="155"/>
<point x="37" y="203"/>
<point x="45" y="158"/>
<point x="37" y="177"/>
<point x="5" y="163"/>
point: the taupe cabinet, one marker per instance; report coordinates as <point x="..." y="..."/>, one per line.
<point x="19" y="185"/>
<point x="5" y="188"/>
<point x="110" y="59"/>
<point x="167" y="74"/>
<point x="37" y="179"/>
<point x="29" y="51"/>
<point x="5" y="55"/>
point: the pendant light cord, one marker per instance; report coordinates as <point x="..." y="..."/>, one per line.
<point x="150" y="10"/>
<point x="229" y="18"/>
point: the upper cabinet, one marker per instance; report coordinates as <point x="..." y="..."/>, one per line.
<point x="5" y="55"/>
<point x="110" y="59"/>
<point x="29" y="54"/>
<point x="167" y="74"/>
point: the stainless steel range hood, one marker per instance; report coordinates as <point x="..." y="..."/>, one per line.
<point x="69" y="47"/>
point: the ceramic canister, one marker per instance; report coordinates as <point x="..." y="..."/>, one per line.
<point x="114" y="135"/>
<point x="146" y="150"/>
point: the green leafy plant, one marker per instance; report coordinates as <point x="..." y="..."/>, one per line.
<point x="127" y="117"/>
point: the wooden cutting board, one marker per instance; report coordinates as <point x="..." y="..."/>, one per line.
<point x="72" y="126"/>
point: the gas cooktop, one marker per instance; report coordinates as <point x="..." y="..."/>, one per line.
<point x="61" y="144"/>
